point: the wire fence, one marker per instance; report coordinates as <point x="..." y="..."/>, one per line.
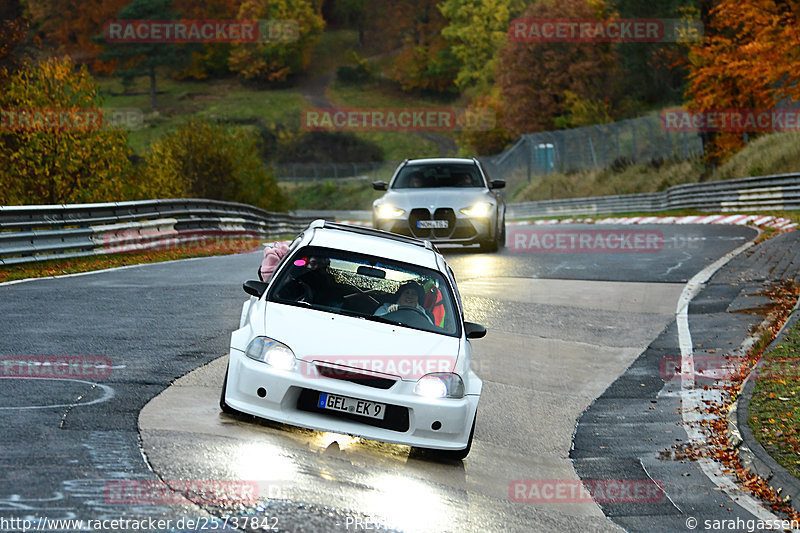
<point x="639" y="140"/>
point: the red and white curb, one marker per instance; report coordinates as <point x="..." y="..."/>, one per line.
<point x="760" y="221"/>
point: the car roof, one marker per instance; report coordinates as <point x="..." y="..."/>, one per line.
<point x="373" y="242"/>
<point x="440" y="160"/>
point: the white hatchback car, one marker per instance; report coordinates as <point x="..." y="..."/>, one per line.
<point x="359" y="331"/>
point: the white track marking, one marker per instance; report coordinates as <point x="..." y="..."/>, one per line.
<point x="108" y="393"/>
<point x="690" y="397"/>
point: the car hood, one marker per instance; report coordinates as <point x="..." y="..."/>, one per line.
<point x="344" y="341"/>
<point x="440" y="197"/>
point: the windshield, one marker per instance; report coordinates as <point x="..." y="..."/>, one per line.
<point x="369" y="287"/>
<point x="443" y="175"/>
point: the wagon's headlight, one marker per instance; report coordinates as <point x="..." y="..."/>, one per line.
<point x="389" y="211"/>
<point x="440" y="385"/>
<point x="479" y="210"/>
<point x="272" y="352"/>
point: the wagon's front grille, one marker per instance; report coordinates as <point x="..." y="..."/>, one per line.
<point x="415" y="216"/>
<point x="445" y="213"/>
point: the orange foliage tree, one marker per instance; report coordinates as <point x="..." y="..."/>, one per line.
<point x="412" y="31"/>
<point x="749" y="58"/>
<point x="72" y="26"/>
<point x="536" y="78"/>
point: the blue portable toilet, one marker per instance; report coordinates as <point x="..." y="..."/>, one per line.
<point x="543" y="154"/>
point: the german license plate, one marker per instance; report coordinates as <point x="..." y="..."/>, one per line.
<point x="351" y="405"/>
<point x="432" y="224"/>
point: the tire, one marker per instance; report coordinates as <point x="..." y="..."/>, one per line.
<point x="489" y="246"/>
<point x="224" y="407"/>
<point x="496" y="241"/>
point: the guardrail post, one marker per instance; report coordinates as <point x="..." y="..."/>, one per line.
<point x="529" y="150"/>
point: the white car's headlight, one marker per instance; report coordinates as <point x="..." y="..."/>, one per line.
<point x="389" y="211"/>
<point x="440" y="385"/>
<point x="479" y="210"/>
<point x="272" y="352"/>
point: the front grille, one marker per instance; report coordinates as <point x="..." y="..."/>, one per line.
<point x="355" y="377"/>
<point x="396" y="418"/>
<point x="415" y="216"/>
<point x="445" y="213"/>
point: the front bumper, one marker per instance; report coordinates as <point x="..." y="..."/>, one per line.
<point x="461" y="228"/>
<point x="290" y="397"/>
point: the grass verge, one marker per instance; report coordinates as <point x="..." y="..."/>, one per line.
<point x="225" y="100"/>
<point x="776" y="153"/>
<point x="60" y="267"/>
<point x="334" y="195"/>
<point x="381" y="94"/>
<point x="775" y="406"/>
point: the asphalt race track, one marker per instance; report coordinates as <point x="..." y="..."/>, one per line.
<point x="574" y="339"/>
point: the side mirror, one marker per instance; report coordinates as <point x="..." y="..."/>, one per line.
<point x="254" y="287"/>
<point x="474" y="331"/>
<point x="380" y="185"/>
<point x="497" y="184"/>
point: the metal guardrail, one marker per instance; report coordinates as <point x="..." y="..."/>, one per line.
<point x="777" y="192"/>
<point x="37" y="233"/>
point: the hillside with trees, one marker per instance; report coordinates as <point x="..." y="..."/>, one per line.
<point x="242" y="100"/>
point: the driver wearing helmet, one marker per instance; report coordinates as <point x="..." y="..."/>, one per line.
<point x="409" y="294"/>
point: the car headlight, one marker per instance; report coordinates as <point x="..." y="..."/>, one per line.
<point x="440" y="385"/>
<point x="389" y="211"/>
<point x="272" y="352"/>
<point x="479" y="210"/>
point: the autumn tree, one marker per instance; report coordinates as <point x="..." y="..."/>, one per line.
<point x="411" y="30"/>
<point x="142" y="59"/>
<point x="477" y="30"/>
<point x="16" y="42"/>
<point x="52" y="160"/>
<point x="534" y="77"/>
<point x="748" y="59"/>
<point x="70" y="26"/>
<point x="274" y="60"/>
<point x="655" y="73"/>
<point x="352" y="13"/>
<point x="487" y="141"/>
<point x="203" y="160"/>
<point x="207" y="59"/>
